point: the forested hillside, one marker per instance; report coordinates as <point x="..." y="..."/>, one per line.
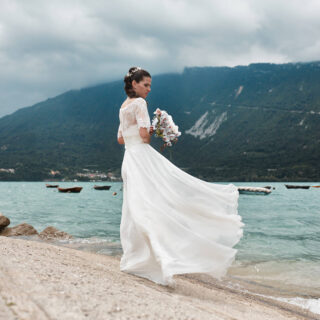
<point x="247" y="123"/>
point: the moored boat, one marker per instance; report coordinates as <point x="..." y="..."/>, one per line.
<point x="254" y="190"/>
<point x="101" y="187"/>
<point x="70" y="190"/>
<point x="52" y="185"/>
<point x="289" y="186"/>
<point x="315" y="186"/>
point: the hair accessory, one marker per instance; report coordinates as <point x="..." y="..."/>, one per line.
<point x="129" y="74"/>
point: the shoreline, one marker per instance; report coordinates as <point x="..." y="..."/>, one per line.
<point x="40" y="280"/>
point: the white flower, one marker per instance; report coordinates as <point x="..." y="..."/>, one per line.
<point x="164" y="127"/>
<point x="158" y="111"/>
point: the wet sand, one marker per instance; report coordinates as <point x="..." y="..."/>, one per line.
<point x="39" y="280"/>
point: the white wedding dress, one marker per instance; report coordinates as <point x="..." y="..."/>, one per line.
<point x="172" y="222"/>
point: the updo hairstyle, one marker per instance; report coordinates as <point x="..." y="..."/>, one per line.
<point x="137" y="74"/>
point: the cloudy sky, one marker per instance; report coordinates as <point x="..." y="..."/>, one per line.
<point x="49" y="47"/>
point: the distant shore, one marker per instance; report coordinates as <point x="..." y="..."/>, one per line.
<point x="44" y="281"/>
<point x="209" y="179"/>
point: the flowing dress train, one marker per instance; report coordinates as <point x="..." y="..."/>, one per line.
<point x="172" y="223"/>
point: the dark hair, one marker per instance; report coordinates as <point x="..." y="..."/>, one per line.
<point x="137" y="74"/>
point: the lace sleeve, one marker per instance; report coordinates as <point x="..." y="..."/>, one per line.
<point x="142" y="115"/>
<point x="119" y="131"/>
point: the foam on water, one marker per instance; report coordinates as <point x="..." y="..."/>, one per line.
<point x="93" y="244"/>
<point x="312" y="305"/>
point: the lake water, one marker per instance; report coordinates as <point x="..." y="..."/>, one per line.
<point x="278" y="256"/>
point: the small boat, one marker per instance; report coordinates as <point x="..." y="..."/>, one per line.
<point x="70" y="190"/>
<point x="102" y="187"/>
<point x="254" y="190"/>
<point x="315" y="186"/>
<point x="288" y="186"/>
<point x="52" y="185"/>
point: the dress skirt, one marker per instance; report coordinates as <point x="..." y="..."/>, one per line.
<point x="173" y="223"/>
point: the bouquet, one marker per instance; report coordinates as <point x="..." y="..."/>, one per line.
<point x="165" y="128"/>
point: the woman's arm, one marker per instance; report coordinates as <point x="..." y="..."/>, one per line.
<point x="145" y="135"/>
<point x="143" y="121"/>
<point x="120" y="137"/>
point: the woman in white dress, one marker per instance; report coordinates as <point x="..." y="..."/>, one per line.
<point x="172" y="223"/>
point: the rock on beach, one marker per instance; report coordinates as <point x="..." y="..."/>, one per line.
<point x="51" y="233"/>
<point x="25" y="229"/>
<point x="4" y="221"/>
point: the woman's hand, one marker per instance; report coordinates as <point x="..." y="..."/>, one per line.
<point x="120" y="140"/>
<point x="151" y="131"/>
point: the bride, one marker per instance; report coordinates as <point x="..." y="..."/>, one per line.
<point x="172" y="223"/>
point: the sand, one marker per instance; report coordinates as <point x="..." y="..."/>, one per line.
<point x="39" y="280"/>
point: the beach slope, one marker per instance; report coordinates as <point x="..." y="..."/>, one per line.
<point x="42" y="281"/>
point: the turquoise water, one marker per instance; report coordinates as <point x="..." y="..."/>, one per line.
<point x="88" y="214"/>
<point x="280" y="250"/>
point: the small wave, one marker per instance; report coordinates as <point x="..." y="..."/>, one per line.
<point x="310" y="304"/>
<point x="298" y="237"/>
<point x="92" y="240"/>
<point x="93" y="244"/>
<point x="313" y="305"/>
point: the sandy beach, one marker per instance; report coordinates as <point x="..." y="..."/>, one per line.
<point x="43" y="281"/>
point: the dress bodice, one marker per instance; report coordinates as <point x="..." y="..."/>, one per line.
<point x="133" y="117"/>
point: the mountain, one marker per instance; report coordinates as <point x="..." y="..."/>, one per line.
<point x="248" y="123"/>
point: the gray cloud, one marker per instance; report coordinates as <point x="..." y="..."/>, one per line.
<point x="47" y="47"/>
